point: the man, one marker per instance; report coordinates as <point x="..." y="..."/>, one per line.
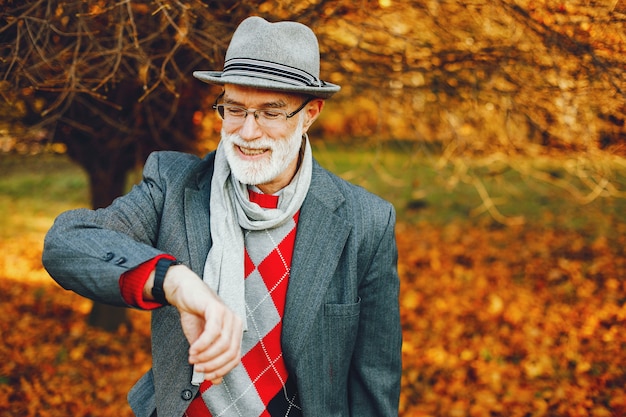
<point x="272" y="283"/>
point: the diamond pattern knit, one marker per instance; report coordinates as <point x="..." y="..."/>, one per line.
<point x="259" y="386"/>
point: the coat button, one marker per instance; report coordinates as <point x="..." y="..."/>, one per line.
<point x="120" y="261"/>
<point x="109" y="256"/>
<point x="186" y="394"/>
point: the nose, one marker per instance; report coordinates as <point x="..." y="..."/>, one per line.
<point x="250" y="129"/>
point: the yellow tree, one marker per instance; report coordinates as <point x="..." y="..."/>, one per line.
<point x="111" y="81"/>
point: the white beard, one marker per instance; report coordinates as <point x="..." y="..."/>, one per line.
<point x="282" y="152"/>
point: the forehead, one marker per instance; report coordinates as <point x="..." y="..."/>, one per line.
<point x="250" y="96"/>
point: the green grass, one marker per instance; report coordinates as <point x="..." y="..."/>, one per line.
<point x="35" y="189"/>
<point x="541" y="191"/>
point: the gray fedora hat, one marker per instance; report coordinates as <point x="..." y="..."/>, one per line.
<point x="282" y="56"/>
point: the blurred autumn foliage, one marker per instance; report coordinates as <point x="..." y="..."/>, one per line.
<point x="512" y="322"/>
<point x="111" y="82"/>
<point x="475" y="75"/>
<point x="497" y="322"/>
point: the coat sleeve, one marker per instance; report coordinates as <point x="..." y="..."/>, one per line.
<point x="374" y="380"/>
<point x="86" y="251"/>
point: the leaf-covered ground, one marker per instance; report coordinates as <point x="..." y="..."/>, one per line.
<point x="512" y="322"/>
<point x="53" y="364"/>
<point x="497" y="322"/>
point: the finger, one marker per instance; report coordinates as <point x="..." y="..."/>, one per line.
<point x="223" y="351"/>
<point x="226" y="356"/>
<point x="219" y="373"/>
<point x="227" y="342"/>
<point x="210" y="333"/>
<point x="226" y="360"/>
<point x="217" y="381"/>
<point x="217" y="347"/>
<point x="192" y="326"/>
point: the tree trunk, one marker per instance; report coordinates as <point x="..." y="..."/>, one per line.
<point x="107" y="317"/>
<point x="107" y="165"/>
<point x="107" y="182"/>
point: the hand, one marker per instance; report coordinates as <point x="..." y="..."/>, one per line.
<point x="214" y="332"/>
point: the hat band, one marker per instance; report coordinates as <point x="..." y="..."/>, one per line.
<point x="247" y="67"/>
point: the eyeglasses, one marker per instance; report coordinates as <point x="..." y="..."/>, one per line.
<point x="268" y="118"/>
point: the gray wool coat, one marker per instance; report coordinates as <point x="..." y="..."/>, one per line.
<point x="341" y="329"/>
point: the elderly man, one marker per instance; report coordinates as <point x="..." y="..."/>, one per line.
<point x="272" y="283"/>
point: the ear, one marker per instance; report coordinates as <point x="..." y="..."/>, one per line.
<point x="312" y="112"/>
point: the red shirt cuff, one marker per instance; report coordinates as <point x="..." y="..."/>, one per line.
<point x="132" y="283"/>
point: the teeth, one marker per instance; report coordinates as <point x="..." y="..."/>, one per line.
<point x="248" y="151"/>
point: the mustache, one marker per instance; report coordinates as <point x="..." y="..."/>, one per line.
<point x="235" y="139"/>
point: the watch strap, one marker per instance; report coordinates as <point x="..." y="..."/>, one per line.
<point x="160" y="270"/>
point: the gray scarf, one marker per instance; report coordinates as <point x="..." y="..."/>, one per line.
<point x="232" y="211"/>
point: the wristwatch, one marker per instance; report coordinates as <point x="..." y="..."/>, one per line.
<point x="160" y="270"/>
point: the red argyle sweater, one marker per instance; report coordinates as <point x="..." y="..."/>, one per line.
<point x="260" y="385"/>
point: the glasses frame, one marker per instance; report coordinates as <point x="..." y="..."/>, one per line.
<point x="254" y="113"/>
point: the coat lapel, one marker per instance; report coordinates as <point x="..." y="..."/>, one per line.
<point x="320" y="240"/>
<point x="197" y="218"/>
<point x="197" y="225"/>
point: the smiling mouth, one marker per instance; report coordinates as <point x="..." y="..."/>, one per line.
<point x="251" y="152"/>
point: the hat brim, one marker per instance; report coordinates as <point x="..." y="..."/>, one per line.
<point x="215" y="77"/>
